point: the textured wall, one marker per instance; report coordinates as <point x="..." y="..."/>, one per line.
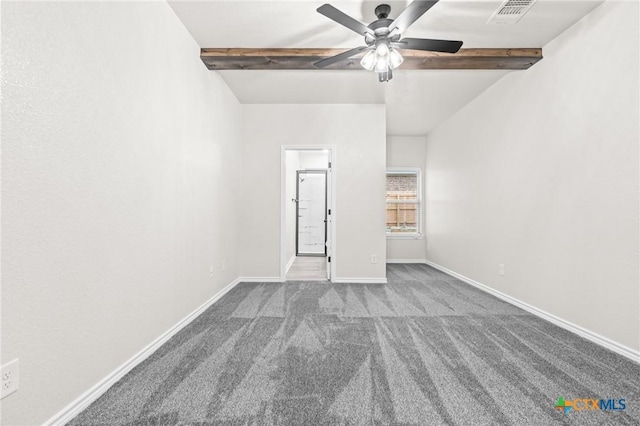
<point x="117" y="148"/>
<point x="540" y="173"/>
<point x="358" y="133"/>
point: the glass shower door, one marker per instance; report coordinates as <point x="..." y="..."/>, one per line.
<point x="311" y="215"/>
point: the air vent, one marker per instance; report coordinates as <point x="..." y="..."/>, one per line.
<point x="510" y="11"/>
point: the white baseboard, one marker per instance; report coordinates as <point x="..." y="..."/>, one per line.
<point x="422" y="261"/>
<point x="359" y="280"/>
<point x="289" y="263"/>
<point x="260" y="279"/>
<point x="632" y="354"/>
<point x="84" y="400"/>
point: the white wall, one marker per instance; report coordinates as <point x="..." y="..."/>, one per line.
<point x="407" y="151"/>
<point x="118" y="148"/>
<point x="540" y="173"/>
<point x="358" y="133"/>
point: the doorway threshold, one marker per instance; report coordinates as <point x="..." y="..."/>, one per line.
<point x="308" y="268"/>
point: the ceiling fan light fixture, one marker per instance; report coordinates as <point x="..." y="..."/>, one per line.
<point x="382" y="34"/>
<point x="368" y="61"/>
<point x="395" y="59"/>
<point x="382" y="64"/>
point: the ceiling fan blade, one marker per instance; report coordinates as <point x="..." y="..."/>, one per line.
<point x="448" y="46"/>
<point x="411" y="14"/>
<point x="340" y="57"/>
<point x="344" y="19"/>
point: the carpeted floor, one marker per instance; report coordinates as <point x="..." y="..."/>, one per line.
<point x="425" y="349"/>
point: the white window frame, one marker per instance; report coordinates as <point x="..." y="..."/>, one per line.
<point x="407" y="235"/>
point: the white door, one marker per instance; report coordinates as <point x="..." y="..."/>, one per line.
<point x="311" y="216"/>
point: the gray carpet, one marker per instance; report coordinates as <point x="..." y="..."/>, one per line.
<point x="426" y="349"/>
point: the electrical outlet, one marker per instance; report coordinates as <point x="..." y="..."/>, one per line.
<point x="10" y="378"/>
<point x="223" y="264"/>
<point x="501" y="269"/>
<point x="374" y="258"/>
<point x="210" y="271"/>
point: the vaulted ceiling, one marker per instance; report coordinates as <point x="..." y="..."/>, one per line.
<point x="416" y="100"/>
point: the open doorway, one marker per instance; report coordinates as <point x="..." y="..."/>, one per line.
<point x="306" y="215"/>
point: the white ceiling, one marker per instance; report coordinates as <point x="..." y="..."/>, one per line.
<point x="416" y="101"/>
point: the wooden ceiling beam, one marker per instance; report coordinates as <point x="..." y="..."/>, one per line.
<point x="303" y="59"/>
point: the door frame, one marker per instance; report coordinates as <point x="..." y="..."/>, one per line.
<point x="331" y="204"/>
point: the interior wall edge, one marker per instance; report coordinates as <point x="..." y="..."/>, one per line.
<point x="92" y="394"/>
<point x="620" y="349"/>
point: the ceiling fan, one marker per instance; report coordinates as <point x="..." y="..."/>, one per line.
<point x="384" y="36"/>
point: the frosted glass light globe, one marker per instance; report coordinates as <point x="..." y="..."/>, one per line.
<point x="369" y="60"/>
<point x="395" y="59"/>
<point x="382" y="49"/>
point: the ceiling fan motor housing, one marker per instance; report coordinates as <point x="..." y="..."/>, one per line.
<point x="380" y="26"/>
<point x="380" y="29"/>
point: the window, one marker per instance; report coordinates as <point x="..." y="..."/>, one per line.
<point x="404" y="203"/>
